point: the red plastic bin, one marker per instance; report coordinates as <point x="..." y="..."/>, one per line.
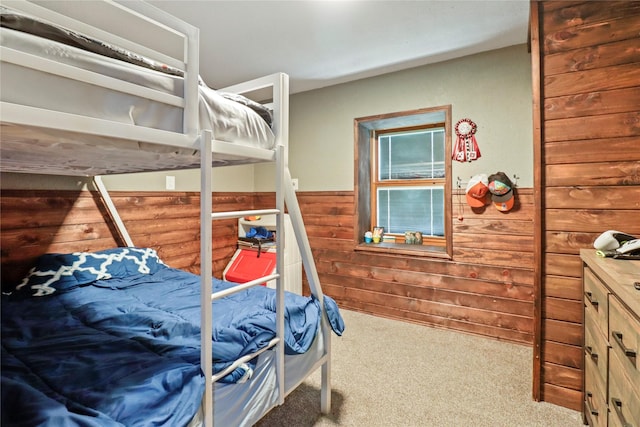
<point x="248" y="266"/>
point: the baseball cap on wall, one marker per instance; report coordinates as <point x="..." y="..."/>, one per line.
<point x="505" y="202"/>
<point x="501" y="189"/>
<point x="476" y="191"/>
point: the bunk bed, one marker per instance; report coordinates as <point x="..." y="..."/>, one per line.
<point x="123" y="101"/>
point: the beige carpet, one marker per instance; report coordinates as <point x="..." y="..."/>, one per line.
<point x="391" y="373"/>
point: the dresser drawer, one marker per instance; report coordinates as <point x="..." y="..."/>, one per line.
<point x="612" y="307"/>
<point x="624" y="338"/>
<point x="595" y="349"/>
<point x="624" y="401"/>
<point x="595" y="401"/>
<point x="596" y="305"/>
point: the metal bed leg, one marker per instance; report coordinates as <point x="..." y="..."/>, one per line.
<point x="325" y="394"/>
<point x="206" y="327"/>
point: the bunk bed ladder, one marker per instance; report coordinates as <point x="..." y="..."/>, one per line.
<point x="314" y="284"/>
<point x="207" y="296"/>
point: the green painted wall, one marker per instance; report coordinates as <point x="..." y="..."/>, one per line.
<point x="493" y="89"/>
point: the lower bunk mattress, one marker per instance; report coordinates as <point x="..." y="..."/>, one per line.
<point x="244" y="404"/>
<point x="112" y="338"/>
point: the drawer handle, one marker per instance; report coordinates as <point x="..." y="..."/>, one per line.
<point x="590" y="407"/>
<point x="591" y="299"/>
<point x="631" y="354"/>
<point x="617" y="406"/>
<point x="592" y="354"/>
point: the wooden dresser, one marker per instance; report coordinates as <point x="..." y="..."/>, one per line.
<point x="611" y="341"/>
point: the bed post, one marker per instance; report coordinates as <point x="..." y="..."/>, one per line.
<point x="281" y="129"/>
<point x="281" y="120"/>
<point x="206" y="308"/>
<point x="280" y="242"/>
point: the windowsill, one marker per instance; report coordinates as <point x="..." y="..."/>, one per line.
<point x="404" y="249"/>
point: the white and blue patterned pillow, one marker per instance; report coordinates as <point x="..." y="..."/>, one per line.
<point x="59" y="272"/>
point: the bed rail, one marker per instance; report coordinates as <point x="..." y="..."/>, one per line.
<point x="245" y="359"/>
<point x="174" y="42"/>
<point x="241" y="287"/>
<point x="37" y="139"/>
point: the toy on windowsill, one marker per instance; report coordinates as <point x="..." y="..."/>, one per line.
<point x="377" y="234"/>
<point x="413" y="238"/>
<point x="388" y="238"/>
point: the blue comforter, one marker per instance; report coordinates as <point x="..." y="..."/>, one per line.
<point x="126" y="350"/>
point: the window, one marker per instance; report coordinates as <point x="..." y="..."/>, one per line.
<point x="403" y="182"/>
<point x="408" y="183"/>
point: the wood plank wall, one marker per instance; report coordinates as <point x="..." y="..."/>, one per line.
<point x="487" y="289"/>
<point x="589" y="163"/>
<point x="36" y="222"/>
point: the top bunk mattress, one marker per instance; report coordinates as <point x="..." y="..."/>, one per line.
<point x="244" y="123"/>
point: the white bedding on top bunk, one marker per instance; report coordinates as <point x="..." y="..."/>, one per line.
<point x="228" y="120"/>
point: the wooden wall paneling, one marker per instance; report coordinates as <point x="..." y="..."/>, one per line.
<point x="594" y="174"/>
<point x="563" y="376"/>
<point x="563" y="354"/>
<point x="329" y="250"/>
<point x="590" y="23"/>
<point x="562" y="396"/>
<point x="568" y="310"/>
<point x="478" y="292"/>
<point x="562" y="265"/>
<point x="36" y="222"/>
<point x="588" y="167"/>
<point x="563" y="332"/>
<point x="488" y="256"/>
<point x="618" y="125"/>
<point x="168" y="222"/>
<point x="580" y="12"/>
<point x="592" y="150"/>
<point x="563" y="287"/>
<point x="536" y="47"/>
<point x="567" y="242"/>
<point x="593" y="220"/>
<point x="432" y="320"/>
<point x="601" y="197"/>
<point x="595" y="80"/>
<point x="408" y="282"/>
<point x="592" y="103"/>
<point x="508" y="243"/>
<point x="477" y="223"/>
<point x="599" y="56"/>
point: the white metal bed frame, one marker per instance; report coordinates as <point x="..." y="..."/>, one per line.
<point x="15" y="119"/>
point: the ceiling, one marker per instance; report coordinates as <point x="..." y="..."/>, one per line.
<point x="323" y="43"/>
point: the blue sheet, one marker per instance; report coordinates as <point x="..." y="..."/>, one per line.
<point x="126" y="350"/>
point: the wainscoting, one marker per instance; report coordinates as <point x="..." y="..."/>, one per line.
<point x="487" y="288"/>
